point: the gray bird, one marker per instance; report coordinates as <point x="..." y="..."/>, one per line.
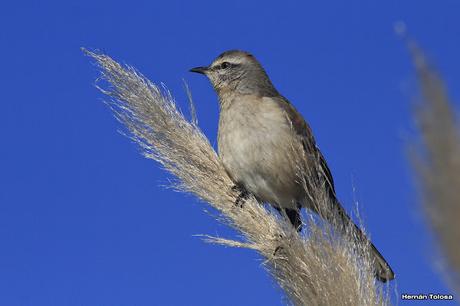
<point x="255" y="135"/>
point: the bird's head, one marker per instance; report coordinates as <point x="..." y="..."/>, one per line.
<point x="238" y="72"/>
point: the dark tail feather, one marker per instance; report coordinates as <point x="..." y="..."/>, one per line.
<point x="382" y="269"/>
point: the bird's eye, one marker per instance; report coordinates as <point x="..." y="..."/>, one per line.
<point x="225" y="65"/>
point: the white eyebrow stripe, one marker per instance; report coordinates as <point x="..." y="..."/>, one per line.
<point x="232" y="61"/>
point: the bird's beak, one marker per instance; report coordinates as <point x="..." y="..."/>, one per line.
<point x="201" y="70"/>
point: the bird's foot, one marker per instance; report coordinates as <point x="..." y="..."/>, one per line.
<point x="277" y="250"/>
<point x="243" y="195"/>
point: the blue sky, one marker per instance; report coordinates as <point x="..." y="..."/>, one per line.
<point x="83" y="219"/>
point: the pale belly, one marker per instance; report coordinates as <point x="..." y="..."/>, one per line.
<point x="255" y="153"/>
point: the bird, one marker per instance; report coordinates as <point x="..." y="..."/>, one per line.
<point x="257" y="128"/>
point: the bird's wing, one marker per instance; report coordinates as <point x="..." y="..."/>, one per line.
<point x="302" y="129"/>
<point x="382" y="269"/>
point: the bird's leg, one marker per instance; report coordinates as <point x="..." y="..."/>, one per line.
<point x="293" y="216"/>
<point x="243" y="195"/>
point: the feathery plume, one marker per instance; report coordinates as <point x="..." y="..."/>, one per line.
<point x="319" y="268"/>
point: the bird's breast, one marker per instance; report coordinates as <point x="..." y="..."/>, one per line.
<point x="254" y="142"/>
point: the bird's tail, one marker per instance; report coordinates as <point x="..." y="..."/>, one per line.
<point x="339" y="218"/>
<point x="382" y="269"/>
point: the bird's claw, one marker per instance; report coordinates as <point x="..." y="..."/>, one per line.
<point x="243" y="195"/>
<point x="278" y="248"/>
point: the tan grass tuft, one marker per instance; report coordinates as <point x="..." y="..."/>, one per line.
<point x="436" y="159"/>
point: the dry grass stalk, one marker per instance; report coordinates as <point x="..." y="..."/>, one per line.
<point x="436" y="159"/>
<point x="320" y="268"/>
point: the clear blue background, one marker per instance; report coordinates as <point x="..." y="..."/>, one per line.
<point x="83" y="220"/>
